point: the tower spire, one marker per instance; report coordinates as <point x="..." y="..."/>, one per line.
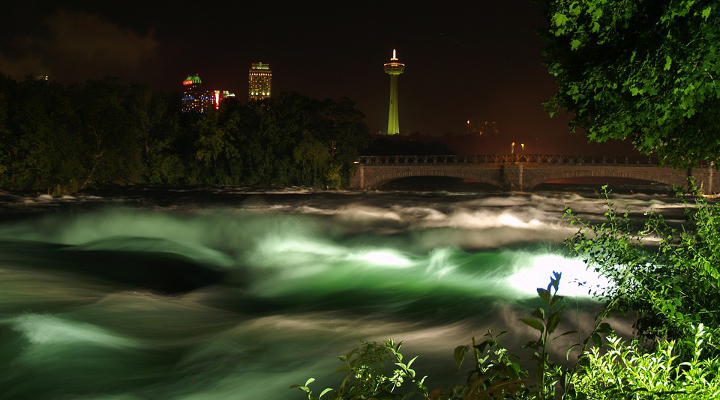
<point x="394" y="57"/>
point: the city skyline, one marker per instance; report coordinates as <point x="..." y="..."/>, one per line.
<point x="478" y="61"/>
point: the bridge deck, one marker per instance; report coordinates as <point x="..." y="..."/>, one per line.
<point x="541" y="159"/>
<point x="524" y="171"/>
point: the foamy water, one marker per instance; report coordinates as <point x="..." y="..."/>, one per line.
<point x="128" y="298"/>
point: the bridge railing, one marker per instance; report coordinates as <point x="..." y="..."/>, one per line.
<point x="543" y="159"/>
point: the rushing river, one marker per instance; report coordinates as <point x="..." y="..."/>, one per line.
<point x="236" y="294"/>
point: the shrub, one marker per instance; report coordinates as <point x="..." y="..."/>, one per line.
<point x="623" y="371"/>
<point x="674" y="285"/>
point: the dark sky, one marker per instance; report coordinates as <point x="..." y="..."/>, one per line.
<point x="464" y="59"/>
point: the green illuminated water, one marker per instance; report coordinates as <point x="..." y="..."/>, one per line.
<point x="243" y="296"/>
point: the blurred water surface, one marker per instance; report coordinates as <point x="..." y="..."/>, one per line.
<point x="219" y="293"/>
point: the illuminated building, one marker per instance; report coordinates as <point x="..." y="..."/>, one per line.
<point x="394" y="69"/>
<point x="260" y="80"/>
<point x="194" y="98"/>
<point x="220" y="95"/>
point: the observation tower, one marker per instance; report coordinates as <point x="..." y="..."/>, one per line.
<point x="394" y="69"/>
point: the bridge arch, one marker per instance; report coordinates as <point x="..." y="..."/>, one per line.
<point x="374" y="180"/>
<point x="646" y="174"/>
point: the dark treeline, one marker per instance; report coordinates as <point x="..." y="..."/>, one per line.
<point x="382" y="145"/>
<point x="59" y="139"/>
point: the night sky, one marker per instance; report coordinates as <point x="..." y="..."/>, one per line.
<point x="464" y="59"/>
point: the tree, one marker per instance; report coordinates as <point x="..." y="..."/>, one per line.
<point x="4" y="134"/>
<point x="113" y="151"/>
<point x="215" y="140"/>
<point x="156" y="124"/>
<point x="312" y="155"/>
<point x="643" y="70"/>
<point x="40" y="139"/>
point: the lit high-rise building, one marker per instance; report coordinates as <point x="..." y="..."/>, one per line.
<point x="259" y="81"/>
<point x="394" y="69"/>
<point x="194" y="98"/>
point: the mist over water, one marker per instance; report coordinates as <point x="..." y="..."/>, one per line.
<point x="229" y="293"/>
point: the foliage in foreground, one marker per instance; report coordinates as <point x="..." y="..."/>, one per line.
<point x="642" y="70"/>
<point x="623" y="371"/>
<point x="673" y="286"/>
<point x="614" y="370"/>
<point x="375" y="370"/>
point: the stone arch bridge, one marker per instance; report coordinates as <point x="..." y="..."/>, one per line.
<point x="523" y="172"/>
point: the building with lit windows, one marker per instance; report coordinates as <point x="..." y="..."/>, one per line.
<point x="195" y="99"/>
<point x="259" y="81"/>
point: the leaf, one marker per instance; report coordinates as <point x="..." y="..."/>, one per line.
<point x="555" y="280"/>
<point x="559" y="19"/>
<point x="459" y="355"/>
<point x="553" y="321"/>
<point x="583" y="361"/>
<point x="668" y="63"/>
<point x="567" y="354"/>
<point x="706" y="12"/>
<point x="575" y="44"/>
<point x="539" y="313"/>
<point x="544" y="294"/>
<point x="555" y="299"/>
<point x="411" y="361"/>
<point x="605" y="328"/>
<point x="533" y="323"/>
<point x="565" y="334"/>
<point x="309" y="381"/>
<point x="324" y="392"/>
<point x="485" y="343"/>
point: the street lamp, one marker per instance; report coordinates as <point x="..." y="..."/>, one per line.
<point x="522" y="147"/>
<point x="468" y="131"/>
<point x="512" y="148"/>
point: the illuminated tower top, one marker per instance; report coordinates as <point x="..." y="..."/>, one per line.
<point x="192" y="80"/>
<point x="394" y="67"/>
<point x="259" y="81"/>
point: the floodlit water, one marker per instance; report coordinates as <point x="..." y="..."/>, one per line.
<point x="237" y="294"/>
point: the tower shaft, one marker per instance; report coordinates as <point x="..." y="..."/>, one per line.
<point x="393" y="120"/>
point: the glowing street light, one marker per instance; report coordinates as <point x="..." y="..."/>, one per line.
<point x="468" y="130"/>
<point x="512" y="148"/>
<point x="522" y="147"/>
